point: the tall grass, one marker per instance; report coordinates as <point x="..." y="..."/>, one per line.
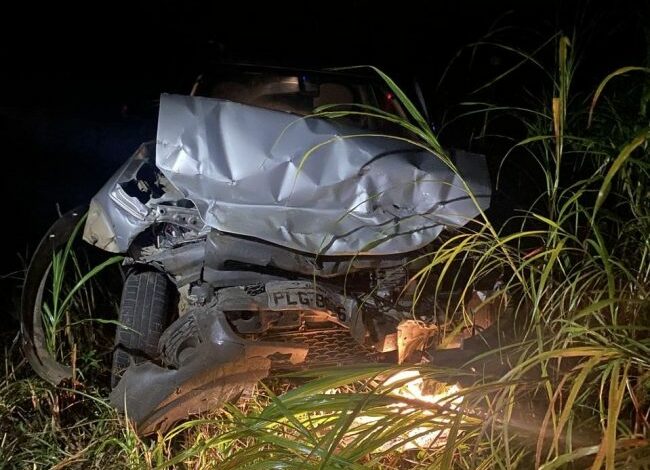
<point x="570" y="388"/>
<point x="71" y="293"/>
<point x="574" y="391"/>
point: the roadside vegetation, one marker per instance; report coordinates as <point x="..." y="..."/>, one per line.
<point x="570" y="388"/>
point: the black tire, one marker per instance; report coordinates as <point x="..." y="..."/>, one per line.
<point x="144" y="314"/>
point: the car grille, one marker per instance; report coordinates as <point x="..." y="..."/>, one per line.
<point x="331" y="346"/>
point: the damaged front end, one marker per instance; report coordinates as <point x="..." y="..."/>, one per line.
<point x="287" y="241"/>
<point x="204" y="365"/>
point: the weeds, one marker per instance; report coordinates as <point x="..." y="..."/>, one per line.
<point x="570" y="389"/>
<point x="64" y="295"/>
<point x="575" y="391"/>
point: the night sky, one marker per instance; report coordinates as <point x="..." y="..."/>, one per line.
<point x="78" y="85"/>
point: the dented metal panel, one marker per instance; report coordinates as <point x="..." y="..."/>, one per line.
<point x="113" y="218"/>
<point x="205" y="365"/>
<point x="312" y="185"/>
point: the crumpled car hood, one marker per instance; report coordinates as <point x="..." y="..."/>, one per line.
<point x="309" y="184"/>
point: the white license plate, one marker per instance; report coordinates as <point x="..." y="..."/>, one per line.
<point x="299" y="295"/>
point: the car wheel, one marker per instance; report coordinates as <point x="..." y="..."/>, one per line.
<point x="144" y="314"/>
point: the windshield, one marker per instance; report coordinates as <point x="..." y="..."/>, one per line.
<point x="301" y="93"/>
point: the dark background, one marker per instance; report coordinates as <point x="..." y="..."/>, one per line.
<point x="79" y="84"/>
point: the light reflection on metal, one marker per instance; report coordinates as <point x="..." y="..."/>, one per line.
<point x="313" y="185"/>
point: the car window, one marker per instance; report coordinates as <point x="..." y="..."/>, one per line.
<point x="301" y="94"/>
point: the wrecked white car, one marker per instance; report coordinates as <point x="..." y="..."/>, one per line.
<point x="260" y="238"/>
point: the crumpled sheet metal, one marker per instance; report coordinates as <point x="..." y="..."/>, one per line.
<point x="250" y="172"/>
<point x="108" y="226"/>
